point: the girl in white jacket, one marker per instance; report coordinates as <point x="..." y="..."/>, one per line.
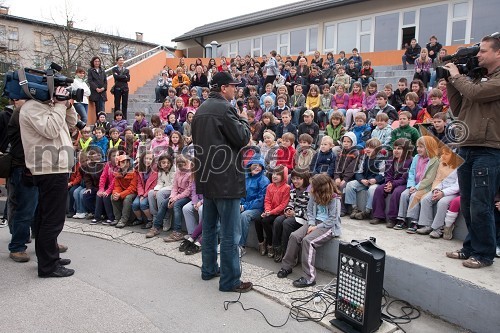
<point x="82" y="107"/>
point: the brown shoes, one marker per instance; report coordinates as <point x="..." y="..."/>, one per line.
<point x="19" y="256"/>
<point x="152" y="232"/>
<point x="243" y="287"/>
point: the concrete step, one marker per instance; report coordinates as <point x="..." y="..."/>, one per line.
<point x="417" y="271"/>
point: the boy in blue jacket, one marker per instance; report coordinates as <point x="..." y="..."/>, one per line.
<point x="252" y="205"/>
<point x="369" y="175"/>
<point x="101" y="141"/>
<point x="324" y="159"/>
<point x="361" y="129"/>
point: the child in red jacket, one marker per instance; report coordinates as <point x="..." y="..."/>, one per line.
<point x="286" y="152"/>
<point x="277" y="197"/>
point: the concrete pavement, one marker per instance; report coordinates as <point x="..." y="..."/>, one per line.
<point x="127" y="283"/>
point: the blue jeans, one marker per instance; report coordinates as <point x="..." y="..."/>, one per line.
<point x="162" y="209"/>
<point x="245" y="218"/>
<point x="78" y="196"/>
<point x="140" y="204"/>
<point x="227" y="211"/>
<point x="23" y="200"/>
<point x="479" y="180"/>
<point x="177" y="219"/>
<point x="82" y="110"/>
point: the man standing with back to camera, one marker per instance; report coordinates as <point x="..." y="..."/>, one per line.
<point x="48" y="154"/>
<point x="219" y="133"/>
<point x="477" y="103"/>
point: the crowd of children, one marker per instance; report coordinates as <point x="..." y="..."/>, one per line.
<point x="309" y="159"/>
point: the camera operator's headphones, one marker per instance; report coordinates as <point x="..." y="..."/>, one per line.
<point x="23" y="82"/>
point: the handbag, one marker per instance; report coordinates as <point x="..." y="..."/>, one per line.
<point x="5" y="165"/>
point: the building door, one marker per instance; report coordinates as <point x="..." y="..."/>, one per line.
<point x="407" y="35"/>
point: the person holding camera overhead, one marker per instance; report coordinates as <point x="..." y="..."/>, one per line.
<point x="49" y="157"/>
<point x="98" y="84"/>
<point x="122" y="78"/>
<point x="477" y="103"/>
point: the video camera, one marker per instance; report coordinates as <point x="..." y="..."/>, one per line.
<point x="28" y="83"/>
<point x="466" y="61"/>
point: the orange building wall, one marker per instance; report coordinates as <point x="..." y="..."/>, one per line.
<point x="140" y="73"/>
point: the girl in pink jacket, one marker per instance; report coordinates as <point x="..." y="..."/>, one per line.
<point x="106" y="186"/>
<point x="146" y="181"/>
<point x="355" y="103"/>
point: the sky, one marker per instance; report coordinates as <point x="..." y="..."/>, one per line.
<point x="159" y="22"/>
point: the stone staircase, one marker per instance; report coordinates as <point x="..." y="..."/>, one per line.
<point x="391" y="74"/>
<point x="143" y="100"/>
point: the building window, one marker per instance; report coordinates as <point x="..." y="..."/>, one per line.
<point x="329" y="32"/>
<point x="347" y="36"/>
<point x="409" y="18"/>
<point x="313" y="40"/>
<point x="431" y="23"/>
<point x="483" y="23"/>
<point x="269" y="43"/>
<point x="460" y="17"/>
<point x="244" y="47"/>
<point x="365" y="35"/>
<point x="104" y="48"/>
<point x="129" y="52"/>
<point x="283" y="45"/>
<point x="256" y="47"/>
<point x="298" y="41"/>
<point x="13" y="33"/>
<point x="386" y="36"/>
<point x="3" y="36"/>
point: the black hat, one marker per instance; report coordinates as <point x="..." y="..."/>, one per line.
<point x="223" y="79"/>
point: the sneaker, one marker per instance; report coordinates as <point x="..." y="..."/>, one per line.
<point x="437" y="233"/>
<point x="94" y="221"/>
<point x="498" y="251"/>
<point x="79" y="216"/>
<point x="3" y="223"/>
<point x="60" y="271"/>
<point x="192" y="249"/>
<point x="302" y="283"/>
<point x="354" y="212"/>
<point x="115" y="222"/>
<point x="376" y="221"/>
<point x="137" y="222"/>
<point x="19" y="256"/>
<point x="278" y="254"/>
<point x="391" y="224"/>
<point x="175" y="236"/>
<point x="152" y="232"/>
<point x="120" y="225"/>
<point x="474" y="263"/>
<point x="424" y="231"/>
<point x="243" y="287"/>
<point x="400" y="225"/>
<point x="448" y="232"/>
<point x="106" y="222"/>
<point x="148" y="225"/>
<point x="167" y="224"/>
<point x="362" y="215"/>
<point x="283" y="273"/>
<point x="412" y="229"/>
<point x="270" y="251"/>
<point x="184" y="245"/>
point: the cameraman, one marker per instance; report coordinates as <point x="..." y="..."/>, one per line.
<point x="477" y="103"/>
<point x="49" y="156"/>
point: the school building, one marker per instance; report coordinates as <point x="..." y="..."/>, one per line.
<point x="335" y="25"/>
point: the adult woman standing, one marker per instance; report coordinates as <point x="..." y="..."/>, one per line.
<point x="98" y="84"/>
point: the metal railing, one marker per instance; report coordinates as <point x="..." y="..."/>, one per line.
<point x="137" y="58"/>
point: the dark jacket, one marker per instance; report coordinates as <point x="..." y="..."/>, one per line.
<point x="436" y="48"/>
<point x="5" y="116"/>
<point x="369" y="168"/>
<point x="202" y="81"/>
<point x="282" y="129"/>
<point x="218" y="135"/>
<point x="412" y="53"/>
<point x="14" y="137"/>
<point x="353" y="73"/>
<point x="397" y="172"/>
<point x="122" y="78"/>
<point x="398" y="98"/>
<point x="323" y="162"/>
<point x="97" y="80"/>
